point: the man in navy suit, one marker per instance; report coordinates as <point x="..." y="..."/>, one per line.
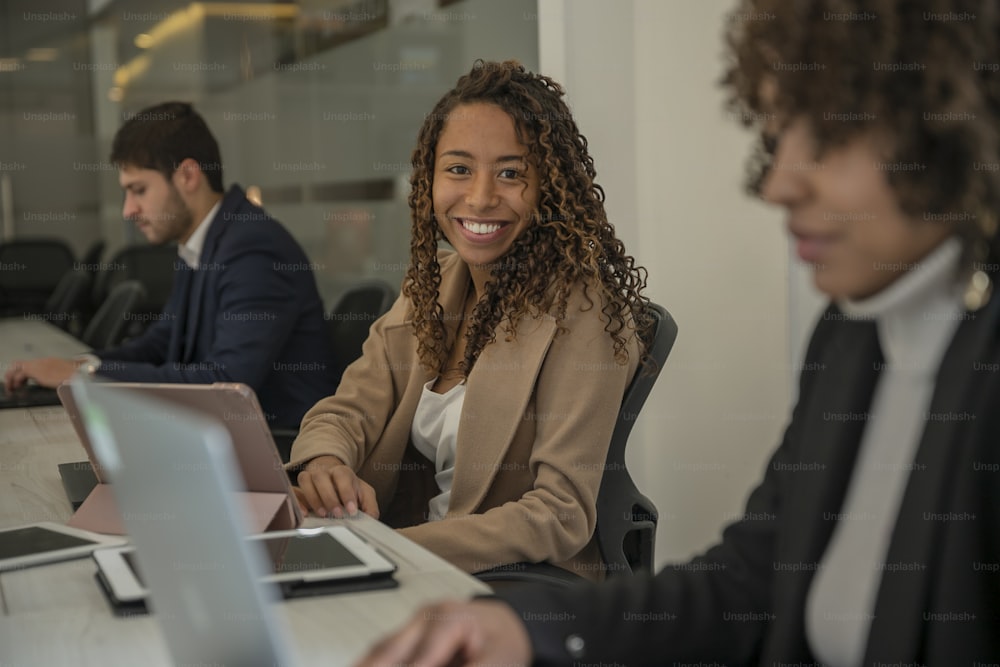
<point x="244" y="306"/>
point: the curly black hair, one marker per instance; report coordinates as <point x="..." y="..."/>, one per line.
<point x="922" y="74"/>
<point x="568" y="242"/>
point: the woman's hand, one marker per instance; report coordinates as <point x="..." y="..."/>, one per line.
<point x="456" y="633"/>
<point x="328" y="487"/>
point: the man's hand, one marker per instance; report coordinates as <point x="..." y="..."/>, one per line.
<point x="456" y="633"/>
<point x="328" y="487"/>
<point x="48" y="372"/>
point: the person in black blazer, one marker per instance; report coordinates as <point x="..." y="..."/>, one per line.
<point x="874" y="536"/>
<point x="244" y="305"/>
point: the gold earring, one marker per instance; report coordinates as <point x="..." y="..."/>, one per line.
<point x="979" y="288"/>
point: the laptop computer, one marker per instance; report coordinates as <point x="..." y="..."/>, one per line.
<point x="235" y="406"/>
<point x="174" y="478"/>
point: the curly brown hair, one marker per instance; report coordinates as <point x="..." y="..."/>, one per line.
<point x="920" y="75"/>
<point x="568" y="242"/>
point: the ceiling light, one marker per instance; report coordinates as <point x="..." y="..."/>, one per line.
<point x="38" y="55"/>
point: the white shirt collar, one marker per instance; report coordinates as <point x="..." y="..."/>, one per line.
<point x="916" y="314"/>
<point x="190" y="252"/>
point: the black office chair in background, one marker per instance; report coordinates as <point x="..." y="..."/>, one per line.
<point x="91" y="259"/>
<point x="109" y="326"/>
<point x="352" y="315"/>
<point x="626" y="519"/>
<point x="151" y="265"/>
<point x="69" y="303"/>
<point x="31" y="269"/>
<point x="348" y="322"/>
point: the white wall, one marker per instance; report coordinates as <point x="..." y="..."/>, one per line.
<point x="641" y="77"/>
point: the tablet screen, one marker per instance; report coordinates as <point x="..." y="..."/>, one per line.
<point x="305" y="552"/>
<point x="301" y="553"/>
<point x="34" y="540"/>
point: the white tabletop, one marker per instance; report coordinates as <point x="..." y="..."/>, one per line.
<point x="22" y="338"/>
<point x="57" y="615"/>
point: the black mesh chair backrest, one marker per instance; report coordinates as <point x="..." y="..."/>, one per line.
<point x="110" y="323"/>
<point x="30" y="269"/>
<point x="353" y="315"/>
<point x="348" y="322"/>
<point x="151" y="265"/>
<point x="626" y="519"/>
<point x="91" y="260"/>
<point x="69" y="302"/>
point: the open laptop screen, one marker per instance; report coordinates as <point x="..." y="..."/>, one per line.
<point x="175" y="480"/>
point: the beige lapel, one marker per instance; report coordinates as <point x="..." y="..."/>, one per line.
<point x="498" y="392"/>
<point x="403" y="346"/>
<point x="499" y="389"/>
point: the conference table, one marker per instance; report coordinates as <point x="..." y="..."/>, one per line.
<point x="22" y="338"/>
<point x="57" y="614"/>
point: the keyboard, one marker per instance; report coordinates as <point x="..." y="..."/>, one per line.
<point x="28" y="396"/>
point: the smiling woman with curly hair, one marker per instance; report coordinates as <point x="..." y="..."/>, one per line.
<point x="569" y="242"/>
<point x="479" y="416"/>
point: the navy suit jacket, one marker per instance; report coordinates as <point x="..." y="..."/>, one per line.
<point x="250" y="313"/>
<point x="743" y="602"/>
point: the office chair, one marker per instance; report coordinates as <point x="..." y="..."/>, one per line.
<point x="151" y="265"/>
<point x="627" y="543"/>
<point x="352" y="315"/>
<point x="626" y="519"/>
<point x="91" y="259"/>
<point x="348" y="322"/>
<point x="68" y="303"/>
<point x="109" y="326"/>
<point x="31" y="271"/>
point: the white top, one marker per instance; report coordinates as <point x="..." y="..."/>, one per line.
<point x="435" y="434"/>
<point x="190" y="252"/>
<point x="916" y="317"/>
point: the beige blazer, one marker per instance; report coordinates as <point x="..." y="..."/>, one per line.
<point x="537" y="418"/>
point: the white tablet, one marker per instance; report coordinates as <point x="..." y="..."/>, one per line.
<point x="301" y="556"/>
<point x="48" y="542"/>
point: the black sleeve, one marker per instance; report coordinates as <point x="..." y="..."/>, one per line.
<point x="715" y="607"/>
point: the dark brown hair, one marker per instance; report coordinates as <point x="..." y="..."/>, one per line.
<point x="569" y="241"/>
<point x="160" y="137"/>
<point x="921" y="76"/>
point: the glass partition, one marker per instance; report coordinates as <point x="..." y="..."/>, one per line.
<point x="316" y="105"/>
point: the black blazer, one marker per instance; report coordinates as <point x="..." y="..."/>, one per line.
<point x="743" y="601"/>
<point x="251" y="313"/>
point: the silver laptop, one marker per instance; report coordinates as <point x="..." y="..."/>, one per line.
<point x="232" y="404"/>
<point x="173" y="474"/>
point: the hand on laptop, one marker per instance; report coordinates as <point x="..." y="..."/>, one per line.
<point x="456" y="633"/>
<point x="328" y="487"/>
<point x="48" y="372"/>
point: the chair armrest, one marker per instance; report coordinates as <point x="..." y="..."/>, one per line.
<point x="536" y="573"/>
